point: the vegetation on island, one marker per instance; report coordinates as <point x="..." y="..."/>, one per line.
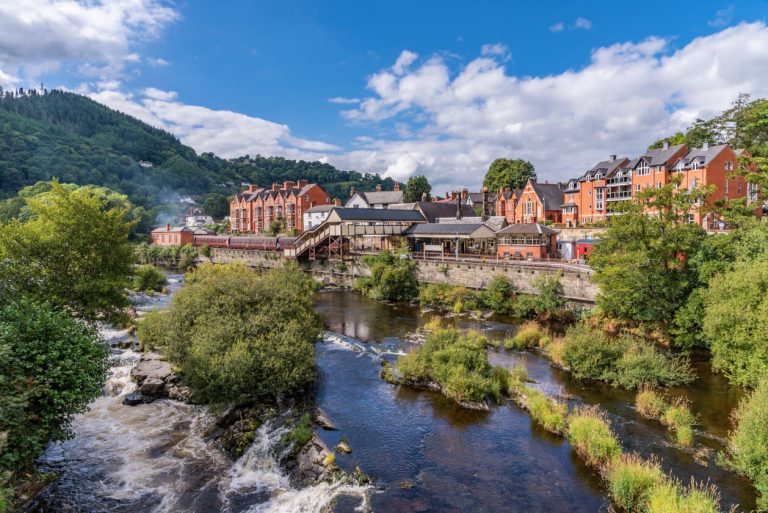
<point x="234" y="338"/>
<point x="749" y="441"/>
<point x="148" y="278"/>
<point x="393" y="277"/>
<point x="512" y="173"/>
<point x="57" y="279"/>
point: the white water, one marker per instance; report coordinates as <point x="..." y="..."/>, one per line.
<point x="156" y="458"/>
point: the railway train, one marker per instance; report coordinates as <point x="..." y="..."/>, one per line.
<point x="238" y="242"/>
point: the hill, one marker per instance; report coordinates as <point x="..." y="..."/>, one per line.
<point x="71" y="137"/>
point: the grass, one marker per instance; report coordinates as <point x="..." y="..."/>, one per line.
<point x="630" y="481"/>
<point x="148" y="278"/>
<point x="591" y="437"/>
<point x="545" y="411"/>
<point x="670" y="497"/>
<point x="748" y="442"/>
<point x="516" y="379"/>
<point x="680" y="420"/>
<point x="650" y="403"/>
<point x="302" y="433"/>
<point x="527" y="337"/>
<point x="388" y="373"/>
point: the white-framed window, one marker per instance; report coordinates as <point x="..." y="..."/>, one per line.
<point x="637" y="187"/>
<point x="689" y="218"/>
<point x="659" y="169"/>
<point x="726" y="186"/>
<point x="680" y="165"/>
<point x="752" y="192"/>
<point x="729" y="166"/>
<point x="599" y="199"/>
<point x="695" y="164"/>
<point x="643" y="168"/>
<point x="692" y="185"/>
<point x="658" y="185"/>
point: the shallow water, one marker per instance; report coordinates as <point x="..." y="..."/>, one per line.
<point x="156" y="458"/>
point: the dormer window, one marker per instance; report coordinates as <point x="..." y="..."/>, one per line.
<point x="695" y="164"/>
<point x="643" y="168"/>
<point x="680" y="165"/>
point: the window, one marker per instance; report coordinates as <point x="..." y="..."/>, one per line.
<point x="692" y="185"/>
<point x="739" y="187"/>
<point x="658" y="185"/>
<point x="659" y="169"/>
<point x="695" y="164"/>
<point x="726" y="186"/>
<point x="689" y="218"/>
<point x="729" y="166"/>
<point x="599" y="199"/>
<point x="643" y="168"/>
<point x="752" y="192"/>
<point x="680" y="165"/>
<point x="637" y="187"/>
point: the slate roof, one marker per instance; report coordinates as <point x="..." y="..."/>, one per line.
<point x="378" y="214"/>
<point x="433" y="210"/>
<point x="605" y="168"/>
<point x="382" y="197"/>
<point x="444" y="229"/>
<point x="319" y="208"/>
<point x="174" y="229"/>
<point x="550" y="194"/>
<point x="477" y="197"/>
<point x="701" y="155"/>
<point x="495" y="223"/>
<point x="527" y="229"/>
<point x="660" y="156"/>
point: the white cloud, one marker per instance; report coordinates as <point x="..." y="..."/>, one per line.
<point x="582" y="23"/>
<point x="157" y="62"/>
<point x="557" y="27"/>
<point x="340" y="100"/>
<point x="402" y="63"/>
<point x="626" y="97"/>
<point x="226" y="133"/>
<point x="96" y="35"/>
<point x="722" y="17"/>
<point x="496" y="50"/>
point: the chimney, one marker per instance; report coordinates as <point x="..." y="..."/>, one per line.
<point x="423" y="196"/>
<point x="454" y="195"/>
<point x="464" y="193"/>
<point x="378" y="187"/>
<point x="484" y="217"/>
<point x="611" y="157"/>
<point x="336" y="202"/>
<point x="666" y="145"/>
<point x="396" y="188"/>
<point x="167" y="227"/>
<point x="352" y="191"/>
<point x="252" y="187"/>
<point x="458" y="205"/>
<point x="302" y="184"/>
<point x="275" y="186"/>
<point x="705" y="146"/>
<point x="447" y="196"/>
<point x="287" y="185"/>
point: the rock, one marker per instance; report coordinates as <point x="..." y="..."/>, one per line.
<point x="238" y="437"/>
<point x="151" y="366"/>
<point x="153" y="387"/>
<point x="406" y="485"/>
<point x="135" y="398"/>
<point x="311" y="460"/>
<point x="322" y="420"/>
<point x="179" y="393"/>
<point x="343" y="446"/>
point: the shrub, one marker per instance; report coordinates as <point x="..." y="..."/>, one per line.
<point x="500" y="380"/>
<point x="631" y="480"/>
<point x="517" y="377"/>
<point x="456" y="362"/>
<point x="527" y="337"/>
<point x="681" y="420"/>
<point x="238" y="335"/>
<point x="388" y="373"/>
<point x="670" y="497"/>
<point x="152" y="330"/>
<point x="547" y="412"/>
<point x="51" y="367"/>
<point x="392" y="278"/>
<point x="590" y="435"/>
<point x="447" y="297"/>
<point x="302" y="432"/>
<point x="644" y="365"/>
<point x="591" y="354"/>
<point x="556" y="351"/>
<point x="749" y="440"/>
<point x="650" y="403"/>
<point x="497" y="297"/>
<point x="148" y="277"/>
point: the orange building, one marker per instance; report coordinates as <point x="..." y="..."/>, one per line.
<point x="505" y="202"/>
<point x="254" y="210"/>
<point x="539" y="202"/>
<point x="527" y="241"/>
<point x="174" y="235"/>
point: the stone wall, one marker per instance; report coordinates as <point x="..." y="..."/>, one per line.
<point x="577" y="283"/>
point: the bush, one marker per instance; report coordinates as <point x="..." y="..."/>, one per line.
<point x="749" y="440"/>
<point x="392" y="278"/>
<point x="51" y="367"/>
<point x="447" y="297"/>
<point x="625" y="360"/>
<point x="670" y="497"/>
<point x="517" y="377"/>
<point x="547" y="412"/>
<point x="631" y="480"/>
<point x="681" y="420"/>
<point x="238" y="335"/>
<point x="152" y="330"/>
<point x="147" y="277"/>
<point x="590" y="435"/>
<point x="456" y="362"/>
<point x="497" y="296"/>
<point x="650" y="403"/>
<point x="527" y="337"/>
<point x="302" y="433"/>
<point x="736" y="322"/>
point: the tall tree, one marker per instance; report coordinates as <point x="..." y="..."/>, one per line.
<point x="415" y="189"/>
<point x="216" y="205"/>
<point x="73" y="252"/>
<point x="513" y="173"/>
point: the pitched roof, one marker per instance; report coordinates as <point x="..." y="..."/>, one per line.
<point x="477" y="197"/>
<point x="550" y="194"/>
<point x="661" y="156"/>
<point x="450" y="229"/>
<point x="174" y="229"/>
<point x="527" y="229"/>
<point x="378" y="214"/>
<point x="701" y="155"/>
<point x="319" y="208"/>
<point x="605" y="168"/>
<point x="432" y="210"/>
<point x="495" y="223"/>
<point x="382" y="197"/>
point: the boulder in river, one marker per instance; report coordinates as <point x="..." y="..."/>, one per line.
<point x="322" y="420"/>
<point x="152" y="387"/>
<point x="344" y="446"/>
<point x="311" y="460"/>
<point x="136" y="398"/>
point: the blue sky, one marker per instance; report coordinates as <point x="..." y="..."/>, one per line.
<point x="430" y="87"/>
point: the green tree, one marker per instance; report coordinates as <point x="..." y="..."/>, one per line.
<point x="641" y="262"/>
<point x="277" y="226"/>
<point x="498" y="295"/>
<point x="749" y="441"/>
<point x="736" y="322"/>
<point x="415" y="189"/>
<point x="216" y="205"/>
<point x="51" y="367"/>
<point x="513" y="173"/>
<point x="73" y="252"/>
<point x="238" y="335"/>
<point x="392" y="278"/>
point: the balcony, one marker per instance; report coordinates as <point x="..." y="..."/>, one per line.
<point x="616" y="182"/>
<point x="619" y="196"/>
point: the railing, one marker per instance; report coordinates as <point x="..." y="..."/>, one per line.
<point x="549" y="263"/>
<point x="619" y="181"/>
<point x="616" y="196"/>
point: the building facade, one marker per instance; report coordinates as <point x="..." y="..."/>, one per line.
<point x="254" y="210"/>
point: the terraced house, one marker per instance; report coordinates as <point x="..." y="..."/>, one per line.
<point x="254" y="210"/>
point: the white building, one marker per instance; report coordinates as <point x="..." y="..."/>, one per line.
<point x="316" y="215"/>
<point x="377" y="199"/>
<point x="198" y="221"/>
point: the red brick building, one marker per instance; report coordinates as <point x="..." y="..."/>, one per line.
<point x="527" y="241"/>
<point x="252" y="211"/>
<point x="175" y="235"/>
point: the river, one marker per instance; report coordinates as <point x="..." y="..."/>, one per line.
<point x="424" y="453"/>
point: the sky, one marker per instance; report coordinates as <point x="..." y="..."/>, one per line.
<point x="399" y="87"/>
